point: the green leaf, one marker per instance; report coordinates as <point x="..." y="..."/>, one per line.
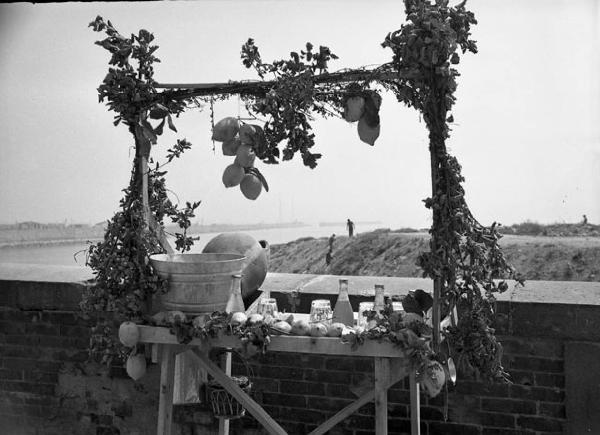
<point x="159" y="129"/>
<point x="171" y="125"/>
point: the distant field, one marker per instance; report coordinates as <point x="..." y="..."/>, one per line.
<point x="33" y="236"/>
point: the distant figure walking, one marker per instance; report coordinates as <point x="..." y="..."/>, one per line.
<point x="329" y="254"/>
<point x="585" y="220"/>
<point x="350" y="226"/>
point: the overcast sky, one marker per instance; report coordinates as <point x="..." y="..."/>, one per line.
<point x="527" y="118"/>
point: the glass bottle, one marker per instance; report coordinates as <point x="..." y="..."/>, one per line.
<point x="378" y="305"/>
<point x="342" y="312"/>
<point x="379" y="299"/>
<point x="235" y="302"/>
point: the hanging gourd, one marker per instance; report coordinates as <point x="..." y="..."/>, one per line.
<point x="225" y="129"/>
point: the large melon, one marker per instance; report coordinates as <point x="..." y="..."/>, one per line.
<point x="255" y="266"/>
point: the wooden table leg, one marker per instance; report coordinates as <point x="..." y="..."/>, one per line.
<point x="226" y="367"/>
<point x="165" y="403"/>
<point x="415" y="405"/>
<point x="382" y="375"/>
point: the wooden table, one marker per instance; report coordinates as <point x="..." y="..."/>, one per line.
<point x="391" y="365"/>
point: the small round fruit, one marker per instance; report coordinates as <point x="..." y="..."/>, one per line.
<point x="129" y="334"/>
<point x="255" y="319"/>
<point x="136" y="366"/>
<point x="233" y="175"/>
<point x="245" y="156"/>
<point x="268" y="320"/>
<point x="301" y="327"/>
<point x="251" y="186"/>
<point x="318" y="330"/>
<point x="368" y="134"/>
<point x="225" y="129"/>
<point x="238" y="319"/>
<point x="335" y="329"/>
<point x="281" y="327"/>
<point x="231" y="146"/>
<point x="199" y="321"/>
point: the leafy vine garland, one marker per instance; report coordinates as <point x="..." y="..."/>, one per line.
<point x="465" y="260"/>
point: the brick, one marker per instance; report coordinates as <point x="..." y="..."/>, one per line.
<point x="288" y="359"/>
<point x="537" y="393"/>
<point x="277" y="372"/>
<point x="266" y="384"/>
<point x="398" y="396"/>
<point x="554" y="410"/>
<point x="535" y="364"/>
<point x="308" y="388"/>
<point x="11" y="328"/>
<point x="18" y="351"/>
<point x="11" y="375"/>
<point x="549" y="380"/>
<point x="288" y="400"/>
<point x="534" y="347"/>
<point x="522" y="377"/>
<point x="304" y="415"/>
<point x="540" y="424"/>
<point x="431" y="413"/>
<point x="364" y="365"/>
<point x="327" y="376"/>
<point x="512" y="406"/>
<point x="43" y="377"/>
<point x="359" y="422"/>
<point x="42" y="329"/>
<point x="494" y="419"/>
<point x="339" y="364"/>
<point x="44" y="389"/>
<point x="74" y="331"/>
<point x="339" y="391"/>
<point x="482" y="389"/>
<point x="437" y="428"/>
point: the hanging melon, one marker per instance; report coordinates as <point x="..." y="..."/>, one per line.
<point x="225" y="129"/>
<point x="136" y="366"/>
<point x="245" y="156"/>
<point x="433" y="378"/>
<point x="354" y="108"/>
<point x="233" y="175"/>
<point x="367" y="133"/>
<point x="251" y="186"/>
<point x="231" y="146"/>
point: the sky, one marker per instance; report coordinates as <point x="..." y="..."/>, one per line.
<point x="526" y="131"/>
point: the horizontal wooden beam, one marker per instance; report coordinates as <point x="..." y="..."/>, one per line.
<point x="253" y="87"/>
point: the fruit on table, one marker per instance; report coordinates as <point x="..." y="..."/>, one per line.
<point x="433" y="378"/>
<point x="245" y="156"/>
<point x="301" y="327"/>
<point x="233" y="175"/>
<point x="354" y="108"/>
<point x="173" y="316"/>
<point x="238" y="319"/>
<point x="268" y="319"/>
<point x="231" y="146"/>
<point x="318" y="330"/>
<point x="225" y="129"/>
<point x="335" y="329"/>
<point x="281" y="327"/>
<point x="366" y="133"/>
<point x="286" y="317"/>
<point x="136" y="366"/>
<point x="251" y="186"/>
<point x="129" y="334"/>
<point x="348" y="333"/>
<point x="255" y="319"/>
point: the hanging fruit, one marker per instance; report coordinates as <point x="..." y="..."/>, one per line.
<point x="225" y="129"/>
<point x="366" y="133"/>
<point x="245" y="156"/>
<point x="232" y="175"/>
<point x="433" y="378"/>
<point x="251" y="186"/>
<point x="231" y="146"/>
<point x="354" y="108"/>
<point x="136" y="366"/>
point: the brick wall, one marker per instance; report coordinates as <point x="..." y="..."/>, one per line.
<point x="47" y="387"/>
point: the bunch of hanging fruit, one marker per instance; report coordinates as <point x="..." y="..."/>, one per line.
<point x="240" y="140"/>
<point x="363" y="106"/>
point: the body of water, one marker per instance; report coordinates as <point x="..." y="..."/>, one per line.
<point x="73" y="254"/>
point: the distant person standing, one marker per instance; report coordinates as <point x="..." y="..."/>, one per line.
<point x="585" y="221"/>
<point x="350" y="226"/>
<point x="329" y="254"/>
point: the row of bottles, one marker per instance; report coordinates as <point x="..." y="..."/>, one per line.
<point x="342" y="311"/>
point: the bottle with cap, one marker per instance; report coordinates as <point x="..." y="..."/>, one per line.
<point x="342" y="312"/>
<point x="378" y="305"/>
<point x="235" y="303"/>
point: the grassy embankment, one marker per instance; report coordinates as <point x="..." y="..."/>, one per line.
<point x="572" y="256"/>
